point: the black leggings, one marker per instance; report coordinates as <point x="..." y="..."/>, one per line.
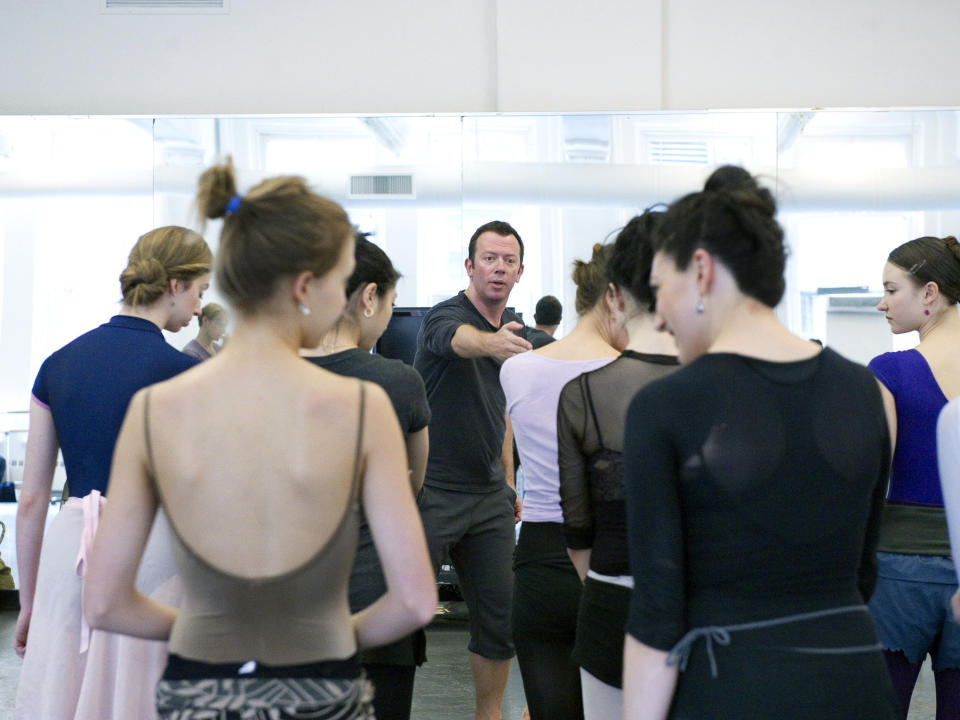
<point x="903" y="674"/>
<point x="392" y="690"/>
<point x="546" y="595"/>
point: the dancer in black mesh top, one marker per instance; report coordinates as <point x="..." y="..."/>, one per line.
<point x="755" y="478"/>
<point x="590" y="419"/>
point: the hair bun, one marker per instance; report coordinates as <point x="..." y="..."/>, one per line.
<point x="734" y="219"/>
<point x="740" y="190"/>
<point x="953" y="247"/>
<point x="730" y="177"/>
<point x="148" y="271"/>
<point x="216" y="187"/>
<point x="143" y="281"/>
<point x="591" y="278"/>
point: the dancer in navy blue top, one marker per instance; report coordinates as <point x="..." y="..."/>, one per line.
<point x="79" y="401"/>
<point x="124" y="352"/>
<point x="921" y="287"/>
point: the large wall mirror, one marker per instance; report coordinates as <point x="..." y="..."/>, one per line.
<point x="76" y="192"/>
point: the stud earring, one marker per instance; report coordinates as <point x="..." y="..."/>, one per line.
<point x="304" y="310"/>
<point x="699" y="306"/>
<point x="368" y="312"/>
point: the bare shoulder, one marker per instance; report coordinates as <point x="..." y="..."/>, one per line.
<point x="376" y="398"/>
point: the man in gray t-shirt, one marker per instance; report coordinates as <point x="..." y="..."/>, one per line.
<point x="469" y="505"/>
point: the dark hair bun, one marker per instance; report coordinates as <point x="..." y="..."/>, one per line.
<point x="952" y="245"/>
<point x="741" y="188"/>
<point x="734" y="219"/>
<point x="730" y="177"/>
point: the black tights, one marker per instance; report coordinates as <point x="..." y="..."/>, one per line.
<point x="904" y="674"/>
<point x="546" y="596"/>
<point x="393" y="690"/>
<point x="551" y="680"/>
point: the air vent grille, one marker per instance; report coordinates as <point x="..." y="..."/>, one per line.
<point x="397" y="186"/>
<point x="164" y="6"/>
<point x="853" y="304"/>
<point x="679" y="152"/>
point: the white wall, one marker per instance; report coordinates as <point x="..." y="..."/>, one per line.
<point x="305" y="56"/>
<point x="817" y="53"/>
<point x="281" y="56"/>
<point x="859" y="336"/>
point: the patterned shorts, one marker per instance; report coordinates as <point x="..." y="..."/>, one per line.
<point x="265" y="699"/>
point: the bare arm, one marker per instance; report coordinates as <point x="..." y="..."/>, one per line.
<point x="469" y="342"/>
<point x="38" y="469"/>
<point x="418" y="448"/>
<point x="411" y="597"/>
<point x="110" y="599"/>
<point x="506" y="455"/>
<point x="506" y="462"/>
<point x="648" y="682"/>
<point x="580" y="560"/>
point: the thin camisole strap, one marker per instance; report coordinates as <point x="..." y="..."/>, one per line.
<point x="354" y="489"/>
<point x="146" y="436"/>
<point x="593" y="413"/>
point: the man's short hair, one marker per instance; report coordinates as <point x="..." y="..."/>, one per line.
<point x="549" y="311"/>
<point x="501" y="228"/>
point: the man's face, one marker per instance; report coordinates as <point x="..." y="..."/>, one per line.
<point x="495" y="267"/>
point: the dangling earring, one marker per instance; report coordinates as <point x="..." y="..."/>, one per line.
<point x="699" y="306"/>
<point x="368" y="312"/>
<point x="926" y="312"/>
<point x="304" y="310"/>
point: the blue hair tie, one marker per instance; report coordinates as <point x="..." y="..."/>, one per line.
<point x="234" y="204"/>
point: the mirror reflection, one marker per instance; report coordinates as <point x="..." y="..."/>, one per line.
<point x="851" y="185"/>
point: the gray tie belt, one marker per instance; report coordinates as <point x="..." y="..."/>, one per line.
<point x="680" y="653"/>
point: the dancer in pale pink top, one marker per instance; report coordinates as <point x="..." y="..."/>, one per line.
<point x="546" y="586"/>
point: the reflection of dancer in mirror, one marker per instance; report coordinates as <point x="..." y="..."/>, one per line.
<point x="921" y="286"/>
<point x="345" y="350"/>
<point x="265" y="625"/>
<point x="213" y="326"/>
<point x="755" y="479"/>
<point x="79" y="399"/>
